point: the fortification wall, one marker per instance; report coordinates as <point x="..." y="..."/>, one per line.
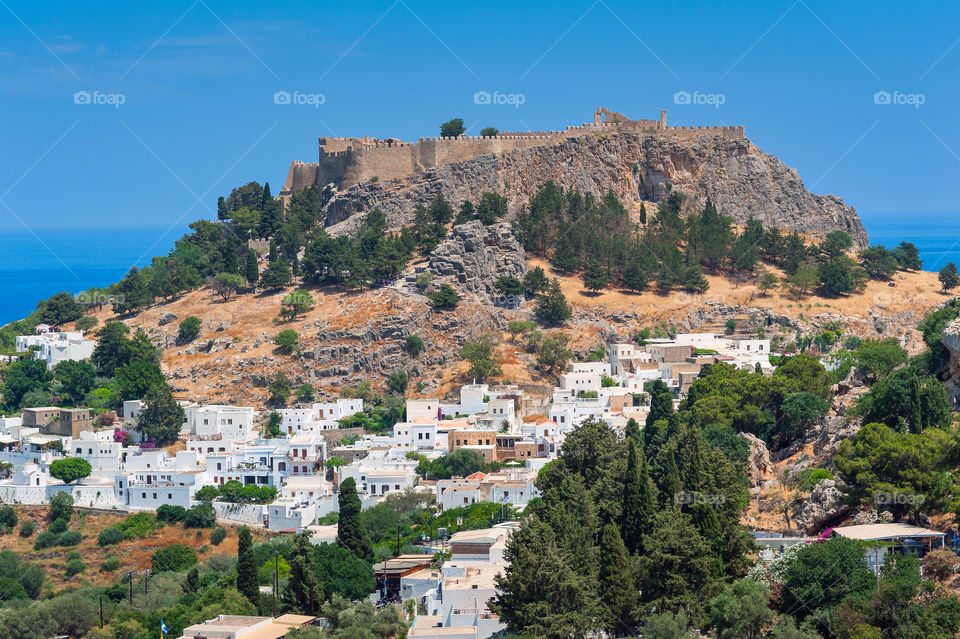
<point x="349" y="161"/>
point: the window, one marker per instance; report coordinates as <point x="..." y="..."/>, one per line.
<point x="79" y="450"/>
<point x="154" y="495"/>
<point x="144" y="495"/>
<point x="169" y="495"/>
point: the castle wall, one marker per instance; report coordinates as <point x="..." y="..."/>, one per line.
<point x="349" y="161"/>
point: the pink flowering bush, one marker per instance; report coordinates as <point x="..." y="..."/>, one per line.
<point x="941" y="564"/>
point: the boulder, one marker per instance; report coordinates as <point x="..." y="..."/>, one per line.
<point x="824" y="504"/>
<point x="166" y="318"/>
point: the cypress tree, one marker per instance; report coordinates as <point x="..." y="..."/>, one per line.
<point x="618" y="589"/>
<point x="301" y="594"/>
<point x="916" y="407"/>
<point x="639" y="499"/>
<point x="632" y="430"/>
<point x="247" y="582"/>
<point x="351" y="533"/>
<point x="251" y="268"/>
<point x="231" y="263"/>
<point x="643" y="213"/>
<point x="273" y="255"/>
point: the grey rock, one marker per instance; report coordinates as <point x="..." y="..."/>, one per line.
<point x="166" y="318"/>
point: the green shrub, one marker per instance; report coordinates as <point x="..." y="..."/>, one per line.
<point x="46" y="539"/>
<point x="171" y="514"/>
<point x="59" y="527"/>
<point x="138" y="526"/>
<point x="111" y="564"/>
<point x="110" y="536"/>
<point x="807" y="478"/>
<point x="8" y="517"/>
<point x="70" y="538"/>
<point x="189" y="329"/>
<point x="200" y="516"/>
<point x="173" y="557"/>
<point x="75" y="567"/>
<point x="217" y="536"/>
<point x="27" y="528"/>
<point x="74" y="554"/>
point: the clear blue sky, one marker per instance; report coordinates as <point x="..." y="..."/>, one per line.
<point x="198" y="79"/>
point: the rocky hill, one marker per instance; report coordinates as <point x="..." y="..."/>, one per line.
<point x="353" y="336"/>
<point x="742" y="181"/>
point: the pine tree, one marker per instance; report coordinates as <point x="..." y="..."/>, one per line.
<point x="634" y="279"/>
<point x="273" y="254"/>
<point x="247" y="582"/>
<point x="565" y="256"/>
<point x="596" y="276"/>
<point x="618" y="587"/>
<point x="639" y="499"/>
<point x="251" y="268"/>
<point x="351" y="533"/>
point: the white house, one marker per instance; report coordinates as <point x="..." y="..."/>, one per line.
<point x="217" y="422"/>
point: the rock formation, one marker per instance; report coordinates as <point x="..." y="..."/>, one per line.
<point x="473" y="256"/>
<point x="740" y="179"/>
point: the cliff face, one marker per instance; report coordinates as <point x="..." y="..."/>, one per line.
<point x="742" y="181"/>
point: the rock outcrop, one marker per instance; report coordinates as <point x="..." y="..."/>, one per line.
<point x="824" y="505"/>
<point x="735" y="174"/>
<point x="950" y="337"/>
<point x="474" y="256"/>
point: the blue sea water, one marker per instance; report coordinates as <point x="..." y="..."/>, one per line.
<point x="937" y="235"/>
<point x="35" y="265"/>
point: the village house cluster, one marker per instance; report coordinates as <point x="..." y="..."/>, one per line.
<point x="516" y="431"/>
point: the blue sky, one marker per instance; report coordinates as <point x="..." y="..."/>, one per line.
<point x="197" y="83"/>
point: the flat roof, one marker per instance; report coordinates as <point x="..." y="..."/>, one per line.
<point x="872" y="532"/>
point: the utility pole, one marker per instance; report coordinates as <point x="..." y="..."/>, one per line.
<point x="276" y="581"/>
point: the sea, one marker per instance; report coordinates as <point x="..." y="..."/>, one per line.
<point x="36" y="264"/>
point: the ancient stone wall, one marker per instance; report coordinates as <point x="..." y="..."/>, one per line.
<point x="345" y="162"/>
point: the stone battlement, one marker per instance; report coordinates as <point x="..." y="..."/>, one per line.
<point x="346" y="161"/>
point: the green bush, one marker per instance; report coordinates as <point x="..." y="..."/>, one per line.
<point x="173" y="557"/>
<point x="75" y="567"/>
<point x="171" y="514"/>
<point x="189" y="329"/>
<point x="200" y="516"/>
<point x="138" y="526"/>
<point x="46" y="539"/>
<point x="111" y="564"/>
<point x="807" y="478"/>
<point x="59" y="527"/>
<point x="27" y="528"/>
<point x="217" y="536"/>
<point x="70" y="538"/>
<point x="61" y="507"/>
<point x="110" y="536"/>
<point x="8" y="517"/>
